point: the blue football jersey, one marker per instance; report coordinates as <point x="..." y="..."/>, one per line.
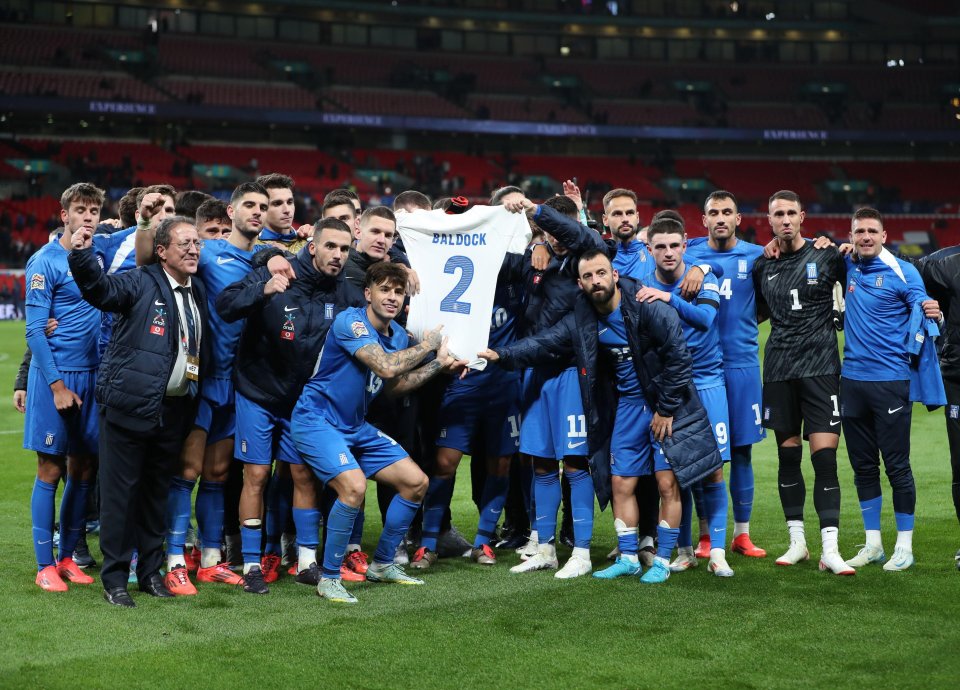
<point x="612" y="332"/>
<point x="504" y="321"/>
<point x="52" y="292"/>
<point x="634" y="260"/>
<point x="342" y="387"/>
<point x="221" y="264"/>
<point x="877" y="320"/>
<point x="738" y="302"/>
<point x="704" y="344"/>
<point x="117" y="254"/>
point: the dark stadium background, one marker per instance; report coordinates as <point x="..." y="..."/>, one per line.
<point x="846" y="103"/>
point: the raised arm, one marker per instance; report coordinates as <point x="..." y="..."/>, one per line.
<point x="114" y="293"/>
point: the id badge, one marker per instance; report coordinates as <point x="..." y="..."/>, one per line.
<point x="193" y="368"/>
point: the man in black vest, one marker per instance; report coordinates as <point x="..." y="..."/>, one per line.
<point x="147" y="388"/>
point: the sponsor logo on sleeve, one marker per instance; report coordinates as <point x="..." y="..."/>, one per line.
<point x="359" y="329"/>
<point x="38" y="281"/>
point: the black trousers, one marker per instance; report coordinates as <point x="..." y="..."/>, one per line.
<point x="952" y="414"/>
<point x="136" y="468"/>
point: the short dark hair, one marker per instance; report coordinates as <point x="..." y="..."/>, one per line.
<point x="82" y="191"/>
<point x="720" y="195"/>
<point x="591" y="254"/>
<point x="165" y="227"/>
<point x="564" y="205"/>
<point x="378" y="212"/>
<point x="786" y="195"/>
<point x="385" y="272"/>
<point x="614" y="193"/>
<point x="337" y="199"/>
<point x="346" y="191"/>
<point x="187" y="203"/>
<point x="245" y="188"/>
<point x="665" y="225"/>
<point x="332" y="224"/>
<point x="164" y="189"/>
<point x="276" y="181"/>
<point x="496" y="199"/>
<point x="127" y="207"/>
<point x="668" y="213"/>
<point x="411" y="199"/>
<point x="867" y="212"/>
<point x="211" y="209"/>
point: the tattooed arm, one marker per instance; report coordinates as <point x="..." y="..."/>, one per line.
<point x="444" y="363"/>
<point x="389" y="365"/>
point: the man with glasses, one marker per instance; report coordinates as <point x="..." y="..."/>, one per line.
<point x="148" y="388"/>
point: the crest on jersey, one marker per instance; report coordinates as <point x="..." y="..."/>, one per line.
<point x="741" y="266"/>
<point x="344" y="460"/>
<point x="879" y="282"/>
<point x="38" y="282"/>
<point x="852" y="286"/>
<point x="359" y="328"/>
<point x="812" y="273"/>
<point x="158" y="325"/>
<point x="48" y="439"/>
<point x="327" y="311"/>
<point x="955" y="412"/>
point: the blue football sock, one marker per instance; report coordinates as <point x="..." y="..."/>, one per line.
<point x="434" y="506"/>
<point x="904" y="521"/>
<point x="581" y="505"/>
<point x="339" y="525"/>
<point x="251" y="539"/>
<point x="399" y="516"/>
<point x="357" y="534"/>
<point x="629" y="543"/>
<point x="73" y="511"/>
<point x="41" y="512"/>
<point x="870" y="510"/>
<point x="666" y="541"/>
<point x="279" y="498"/>
<point x="715" y="502"/>
<point x="178" y="514"/>
<point x="491" y="505"/>
<point x="547" y="496"/>
<point x="741" y="483"/>
<point x="307" y="521"/>
<point x="210" y="514"/>
<point x="685" y="538"/>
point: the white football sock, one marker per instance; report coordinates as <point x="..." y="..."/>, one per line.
<point x="176" y="561"/>
<point x="740" y="528"/>
<point x="795" y="527"/>
<point x="873" y="538"/>
<point x="306" y="556"/>
<point x="209" y="557"/>
<point x="829" y="537"/>
<point x="905" y="540"/>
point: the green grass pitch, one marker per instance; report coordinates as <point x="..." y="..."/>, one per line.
<point x="477" y="627"/>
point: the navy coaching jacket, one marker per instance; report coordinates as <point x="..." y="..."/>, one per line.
<point x="133" y="375"/>
<point x="664" y="369"/>
<point x="284" y="332"/>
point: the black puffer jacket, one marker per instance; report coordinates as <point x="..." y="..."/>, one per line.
<point x="664" y="369"/>
<point x="136" y="366"/>
<point x="284" y="332"/>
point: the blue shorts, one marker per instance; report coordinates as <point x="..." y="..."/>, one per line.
<point x="631" y="448"/>
<point x="467" y="413"/>
<point x="216" y="413"/>
<point x="261" y="436"/>
<point x="331" y="452"/>
<point x="47" y="431"/>
<point x="714" y="401"/>
<point x="744" y="404"/>
<point x="554" y="426"/>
